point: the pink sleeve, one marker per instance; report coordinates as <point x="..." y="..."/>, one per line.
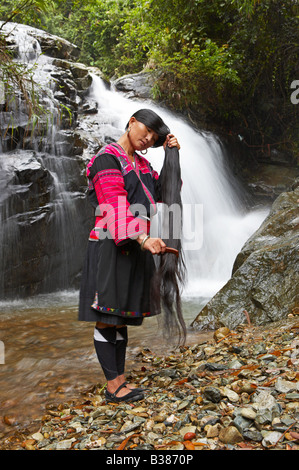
<point x="114" y="211"/>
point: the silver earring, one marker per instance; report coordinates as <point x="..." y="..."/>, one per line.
<point x="143" y="152"/>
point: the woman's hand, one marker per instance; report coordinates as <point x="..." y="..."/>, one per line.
<point x="171" y="141"/>
<point x="155" y="245"/>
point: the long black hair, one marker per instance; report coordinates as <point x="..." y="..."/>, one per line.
<point x="169" y="276"/>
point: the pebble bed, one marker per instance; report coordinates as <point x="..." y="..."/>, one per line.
<point x="239" y="390"/>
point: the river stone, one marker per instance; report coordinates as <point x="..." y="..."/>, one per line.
<point x="129" y="426"/>
<point x="293" y="407"/>
<point x="230" y="435"/>
<point x="230" y="394"/>
<point x="184" y="430"/>
<point x="221" y="333"/>
<point x="253" y="435"/>
<point x="212" y="394"/>
<point x="271" y="438"/>
<point x="265" y="274"/>
<point x="65" y="444"/>
<point x="213" y="430"/>
<point x="285" y="386"/>
<point x="38" y="436"/>
<point x="159" y="428"/>
<point x="267" y="408"/>
<point x="242" y="424"/>
<point x="248" y="413"/>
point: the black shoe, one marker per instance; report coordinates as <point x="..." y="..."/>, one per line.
<point x="131" y="396"/>
<point x="137" y="389"/>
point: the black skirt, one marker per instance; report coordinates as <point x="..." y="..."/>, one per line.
<point x="115" y="285"/>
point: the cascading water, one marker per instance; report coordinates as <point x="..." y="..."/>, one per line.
<point x="44" y="228"/>
<point x="211" y="195"/>
<point x="38" y="204"/>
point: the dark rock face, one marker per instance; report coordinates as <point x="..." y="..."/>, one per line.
<point x="44" y="214"/>
<point x="265" y="275"/>
<point x="43" y="225"/>
<point x="136" y="85"/>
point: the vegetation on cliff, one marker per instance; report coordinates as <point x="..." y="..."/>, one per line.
<point x="230" y="63"/>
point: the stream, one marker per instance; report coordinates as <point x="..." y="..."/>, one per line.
<point x="46" y="355"/>
<point x="49" y="356"/>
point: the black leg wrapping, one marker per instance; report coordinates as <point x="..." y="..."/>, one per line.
<point x="106" y="352"/>
<point x="121" y="346"/>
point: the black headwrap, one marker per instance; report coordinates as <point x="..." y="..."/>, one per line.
<point x="150" y="119"/>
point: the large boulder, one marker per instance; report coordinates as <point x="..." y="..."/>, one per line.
<point x="265" y="278"/>
<point x="137" y="85"/>
<point x="50" y="44"/>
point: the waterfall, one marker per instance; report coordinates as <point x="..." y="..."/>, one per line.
<point x="40" y="235"/>
<point x="44" y="231"/>
<point x="210" y="191"/>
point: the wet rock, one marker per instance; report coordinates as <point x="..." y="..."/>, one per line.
<point x="51" y="45"/>
<point x="42" y="167"/>
<point x="271" y="178"/>
<point x="10" y="420"/>
<point x="138" y="85"/>
<point x="265" y="275"/>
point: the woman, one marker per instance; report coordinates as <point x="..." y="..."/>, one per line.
<point x="115" y="288"/>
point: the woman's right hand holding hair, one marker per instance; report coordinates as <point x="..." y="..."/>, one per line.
<point x="171" y="141"/>
<point x="155" y="245"/>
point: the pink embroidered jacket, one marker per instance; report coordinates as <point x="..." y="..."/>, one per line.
<point x="124" y="196"/>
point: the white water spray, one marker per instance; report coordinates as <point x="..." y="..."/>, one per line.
<point x="207" y="184"/>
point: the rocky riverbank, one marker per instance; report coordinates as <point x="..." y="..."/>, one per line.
<point x="238" y="390"/>
<point x="265" y="274"/>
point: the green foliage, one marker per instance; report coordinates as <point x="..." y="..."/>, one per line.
<point x="232" y="60"/>
<point x="22" y="11"/>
